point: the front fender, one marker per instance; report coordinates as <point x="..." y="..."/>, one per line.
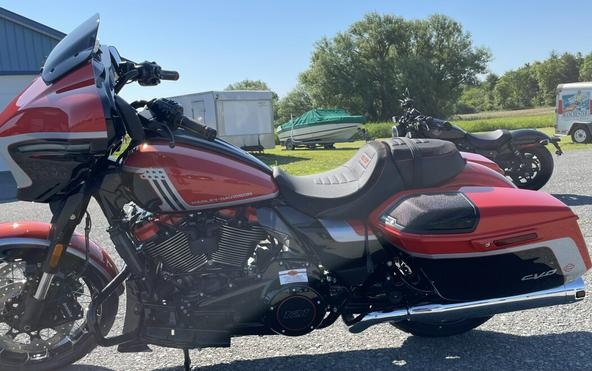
<point x="36" y="235"/>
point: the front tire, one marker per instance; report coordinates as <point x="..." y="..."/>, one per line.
<point x="533" y="170"/>
<point x="53" y="346"/>
<point x="439" y="329"/>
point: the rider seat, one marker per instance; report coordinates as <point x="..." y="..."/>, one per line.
<point x="489" y="140"/>
<point x="377" y="171"/>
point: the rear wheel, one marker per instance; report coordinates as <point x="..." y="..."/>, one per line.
<point x="61" y="337"/>
<point x="439" y="329"/>
<point x="580" y="135"/>
<point x="532" y="170"/>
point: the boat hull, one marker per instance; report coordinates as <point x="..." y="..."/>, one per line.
<point x="334" y="132"/>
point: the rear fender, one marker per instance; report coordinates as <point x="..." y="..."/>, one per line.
<point x="529" y="136"/>
<point x="524" y="138"/>
<point x="36" y="235"/>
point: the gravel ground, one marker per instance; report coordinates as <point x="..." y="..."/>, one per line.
<point x="543" y="339"/>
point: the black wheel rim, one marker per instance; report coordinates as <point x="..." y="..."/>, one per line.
<point x="18" y="345"/>
<point x="525" y="170"/>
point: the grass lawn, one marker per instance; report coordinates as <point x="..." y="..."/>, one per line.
<point x="306" y="161"/>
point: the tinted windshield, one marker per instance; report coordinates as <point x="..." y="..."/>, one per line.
<point x="74" y="49"/>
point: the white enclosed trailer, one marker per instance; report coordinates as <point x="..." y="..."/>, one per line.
<point x="574" y="111"/>
<point x="241" y="117"/>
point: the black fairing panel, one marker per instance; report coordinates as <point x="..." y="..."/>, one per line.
<point x="348" y="261"/>
<point x="56" y="167"/>
<point x="477" y="278"/>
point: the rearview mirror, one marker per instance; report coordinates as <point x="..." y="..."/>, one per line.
<point x="395" y="130"/>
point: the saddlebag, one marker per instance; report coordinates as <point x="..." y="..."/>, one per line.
<point x="484" y="242"/>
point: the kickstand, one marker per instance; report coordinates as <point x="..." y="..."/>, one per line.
<point x="187" y="363"/>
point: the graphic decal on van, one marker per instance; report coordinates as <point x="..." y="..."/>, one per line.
<point x="575" y="105"/>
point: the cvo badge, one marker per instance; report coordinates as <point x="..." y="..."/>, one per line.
<point x="536" y="276"/>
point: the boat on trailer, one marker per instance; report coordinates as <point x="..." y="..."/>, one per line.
<point x="320" y="127"/>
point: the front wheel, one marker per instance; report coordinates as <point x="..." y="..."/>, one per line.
<point x="61" y="337"/>
<point x="532" y="170"/>
<point x="439" y="329"/>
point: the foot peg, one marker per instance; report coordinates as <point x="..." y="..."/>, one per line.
<point x="133" y="347"/>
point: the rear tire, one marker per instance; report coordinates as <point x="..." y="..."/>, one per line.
<point x="543" y="173"/>
<point x="581" y="135"/>
<point x="439" y="329"/>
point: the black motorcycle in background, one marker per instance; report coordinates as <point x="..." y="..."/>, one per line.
<point x="522" y="153"/>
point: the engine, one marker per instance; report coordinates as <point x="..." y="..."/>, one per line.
<point x="223" y="261"/>
<point x="186" y="243"/>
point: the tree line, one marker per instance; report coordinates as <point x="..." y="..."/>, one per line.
<point x="368" y="67"/>
<point x="532" y="85"/>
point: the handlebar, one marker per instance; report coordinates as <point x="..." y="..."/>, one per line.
<point x="199" y="129"/>
<point x="169" y="75"/>
<point x="171" y="113"/>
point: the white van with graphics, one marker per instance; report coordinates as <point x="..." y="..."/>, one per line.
<point x="574" y="111"/>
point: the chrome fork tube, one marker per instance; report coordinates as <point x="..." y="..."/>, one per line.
<point x="43" y="287"/>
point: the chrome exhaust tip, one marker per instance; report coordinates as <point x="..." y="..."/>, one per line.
<point x="566" y="294"/>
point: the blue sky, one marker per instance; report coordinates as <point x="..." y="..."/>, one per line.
<point x="214" y="43"/>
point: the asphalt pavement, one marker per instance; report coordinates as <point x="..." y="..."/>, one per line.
<point x="543" y="339"/>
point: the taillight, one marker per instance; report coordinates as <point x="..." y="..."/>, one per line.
<point x="560" y="106"/>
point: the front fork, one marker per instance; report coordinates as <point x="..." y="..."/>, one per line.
<point x="64" y="223"/>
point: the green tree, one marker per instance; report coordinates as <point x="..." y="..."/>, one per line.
<point x="516" y="89"/>
<point x="255" y="85"/>
<point x="294" y="104"/>
<point x="586" y="68"/>
<point x="367" y="68"/>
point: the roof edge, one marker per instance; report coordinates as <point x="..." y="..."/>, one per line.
<point x="31" y="24"/>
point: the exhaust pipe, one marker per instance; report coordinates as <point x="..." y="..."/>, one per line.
<point x="566" y="294"/>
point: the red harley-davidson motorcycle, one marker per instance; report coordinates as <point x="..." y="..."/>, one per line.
<point x="216" y="244"/>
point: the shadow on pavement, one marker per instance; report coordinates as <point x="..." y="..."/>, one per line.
<point x="574" y="200"/>
<point x="86" y="368"/>
<point x="483" y="350"/>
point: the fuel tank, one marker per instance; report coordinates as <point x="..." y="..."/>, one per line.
<point x="195" y="177"/>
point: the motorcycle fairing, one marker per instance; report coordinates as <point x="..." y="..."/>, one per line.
<point x="51" y="134"/>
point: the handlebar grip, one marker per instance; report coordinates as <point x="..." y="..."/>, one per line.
<point x="202" y="130"/>
<point x="169" y="75"/>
